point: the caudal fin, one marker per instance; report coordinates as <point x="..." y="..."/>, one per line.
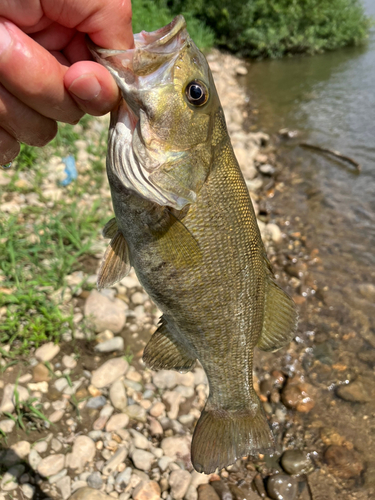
<point x="221" y="437"/>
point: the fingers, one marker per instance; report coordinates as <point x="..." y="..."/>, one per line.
<point x="93" y="88"/>
<point x="9" y="147"/>
<point x="23" y="123"/>
<point x="34" y="76"/>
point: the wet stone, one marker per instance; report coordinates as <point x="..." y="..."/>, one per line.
<point x="299" y="396"/>
<point x="282" y="487"/>
<point x="207" y="492"/>
<point x="356" y="392"/>
<point x="242" y="493"/>
<point x="342" y="462"/>
<point x="296" y="462"/>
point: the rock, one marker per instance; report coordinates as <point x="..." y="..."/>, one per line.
<point x="298" y="395"/>
<point x="116" y="459"/>
<point x="9" y="481"/>
<point x="191" y="493"/>
<point x="274" y="232"/>
<point x="222" y="490"/>
<point x="115" y="344"/>
<point x="179" y="481"/>
<point x="83" y="451"/>
<point x="56" y="445"/>
<point x="41" y="373"/>
<point x="356" y="392"/>
<point x="117" y="395"/>
<point x="282" y="487"/>
<point x="176" y="446"/>
<point x="63" y="485"/>
<point x="60" y="384"/>
<point x="139" y="440"/>
<point x="157" y="409"/>
<point x="47" y="352"/>
<point x="241" y="493"/>
<point x="342" y="462"/>
<point x="38" y="387"/>
<point x="8" y="401"/>
<point x="173" y="398"/>
<point x="267" y="169"/>
<point x="136" y="412"/>
<point x="5" y="178"/>
<point x="368" y="291"/>
<point x="40" y="446"/>
<point x="142" y="459"/>
<point x="123" y="478"/>
<point x="51" y="465"/>
<point x="21" y="449"/>
<point x="296" y="462"/>
<point x="56" y="416"/>
<point x="138" y="298"/>
<point x="165" y="379"/>
<point x="110" y="371"/>
<point x="34" y="459"/>
<point x="28" y="490"/>
<point x="89" y="494"/>
<point x="119" y="421"/>
<point x="206" y="492"/>
<point x="7" y="425"/>
<point x="69" y="362"/>
<point x="155" y="427"/>
<point x="241" y="70"/>
<point x="95" y="480"/>
<point x="105" y="313"/>
<point x="197" y="478"/>
<point x="97" y="402"/>
<point x="146" y="490"/>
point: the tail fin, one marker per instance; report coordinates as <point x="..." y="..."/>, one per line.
<point x="221" y="437"/>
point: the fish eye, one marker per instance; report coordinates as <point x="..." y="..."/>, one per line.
<point x="196" y="93"/>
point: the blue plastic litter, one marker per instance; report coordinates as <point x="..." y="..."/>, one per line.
<point x="70" y="170"/>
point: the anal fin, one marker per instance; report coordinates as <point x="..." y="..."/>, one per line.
<point x="280" y="319"/>
<point x="163" y="352"/>
<point x="116" y="262"/>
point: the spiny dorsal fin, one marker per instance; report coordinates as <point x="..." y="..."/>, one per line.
<point x="116" y="262"/>
<point x="280" y="319"/>
<point x="163" y="352"/>
<point x="110" y="229"/>
<point x="177" y="244"/>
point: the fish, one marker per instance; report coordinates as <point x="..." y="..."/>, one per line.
<point x="185" y="222"/>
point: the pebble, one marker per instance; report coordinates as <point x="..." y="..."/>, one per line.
<point x="97" y="402"/>
<point x="207" y="492"/>
<point x="267" y="169"/>
<point x="40" y="446"/>
<point x="241" y="70"/>
<point x="143" y="459"/>
<point x="115" y="344"/>
<point x="7" y="425"/>
<point x="355" y="392"/>
<point x="8" y="401"/>
<point x="342" y="462"/>
<point x="117" y="395"/>
<point x="242" y="493"/>
<point x="28" y="490"/>
<point x="47" y="352"/>
<point x="69" y="362"/>
<point x="60" y="384"/>
<point x="117" y="422"/>
<point x="56" y="416"/>
<point x="116" y="459"/>
<point x="157" y="409"/>
<point x="282" y="487"/>
<point x="83" y="451"/>
<point x="146" y="490"/>
<point x="123" y="477"/>
<point x="222" y="490"/>
<point x="64" y="486"/>
<point x="155" y="427"/>
<point x="34" y="459"/>
<point x="38" y="387"/>
<point x="94" y="480"/>
<point x="41" y="373"/>
<point x="296" y="462"/>
<point x="299" y="396"/>
<point x="105" y="313"/>
<point x="139" y="440"/>
<point x="21" y="449"/>
<point x="275" y="232"/>
<point x="165" y="379"/>
<point x="176" y="446"/>
<point x="110" y="371"/>
<point x="50" y="465"/>
<point x="136" y="412"/>
<point x="179" y="481"/>
<point x="86" y="493"/>
<point x="9" y="481"/>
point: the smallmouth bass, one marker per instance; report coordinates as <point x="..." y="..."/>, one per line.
<point x="185" y="222"/>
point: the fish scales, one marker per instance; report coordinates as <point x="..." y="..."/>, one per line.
<point x="184" y="220"/>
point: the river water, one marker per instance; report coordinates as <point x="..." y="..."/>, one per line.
<point x="330" y="100"/>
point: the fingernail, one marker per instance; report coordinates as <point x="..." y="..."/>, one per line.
<point x="86" y="87"/>
<point x="5" y="38"/>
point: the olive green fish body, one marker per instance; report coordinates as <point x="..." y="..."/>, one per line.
<point x="185" y="222"/>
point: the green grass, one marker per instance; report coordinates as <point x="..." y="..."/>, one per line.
<point x="39" y="246"/>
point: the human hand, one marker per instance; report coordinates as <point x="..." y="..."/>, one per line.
<point x="46" y="71"/>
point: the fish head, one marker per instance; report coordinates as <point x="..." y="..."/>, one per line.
<point x="160" y="140"/>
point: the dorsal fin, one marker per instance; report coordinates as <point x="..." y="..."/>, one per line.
<point x="116" y="262"/>
<point x="163" y="352"/>
<point x="110" y="229"/>
<point x="280" y="318"/>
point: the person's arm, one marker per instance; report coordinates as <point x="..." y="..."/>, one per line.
<point x="46" y="71"/>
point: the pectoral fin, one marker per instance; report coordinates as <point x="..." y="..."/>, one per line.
<point x="163" y="352"/>
<point x="116" y="262"/>
<point x="280" y="319"/>
<point x="110" y="229"/>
